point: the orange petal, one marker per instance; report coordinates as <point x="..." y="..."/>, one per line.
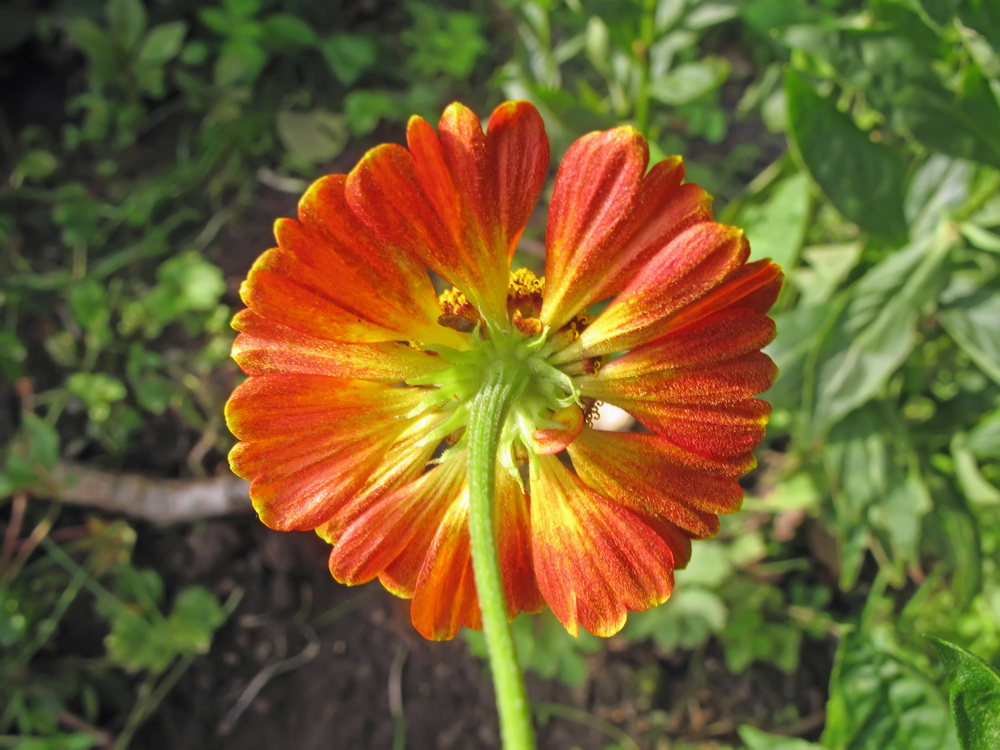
<point x="600" y="263"/>
<point x="310" y="442"/>
<point x="445" y="596"/>
<point x="552" y="440"/>
<point x="330" y="278"/>
<point x="595" y="559"/>
<point x="514" y="547"/>
<point x="403" y="522"/>
<point x="642" y="473"/>
<point x="265" y="347"/>
<point x="692" y="265"/>
<point x="410" y="455"/>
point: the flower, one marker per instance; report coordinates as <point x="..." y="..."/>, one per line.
<point x="362" y="376"/>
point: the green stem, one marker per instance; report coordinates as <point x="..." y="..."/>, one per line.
<point x="489" y="410"/>
<point x="647" y="35"/>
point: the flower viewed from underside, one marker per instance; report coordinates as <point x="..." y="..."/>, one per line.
<point x="362" y="375"/>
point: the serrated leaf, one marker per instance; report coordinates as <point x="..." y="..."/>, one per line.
<point x="195" y="617"/>
<point x="974" y="696"/>
<point x="863" y="179"/>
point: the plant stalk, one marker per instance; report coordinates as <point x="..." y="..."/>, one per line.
<point x="489" y="411"/>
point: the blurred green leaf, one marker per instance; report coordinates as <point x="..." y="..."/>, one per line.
<point x="288" y="31"/>
<point x="974" y="322"/>
<point x="42" y="441"/>
<point x="194" y="619"/>
<point x="755" y="739"/>
<point x="875" y="331"/>
<point x="349" y="55"/>
<point x="363" y="109"/>
<point x="127" y="19"/>
<point x="777" y="226"/>
<point x="243" y="8"/>
<point x="977" y="490"/>
<point x="690" y="81"/>
<point x="312" y="137"/>
<point x="163" y="43"/>
<point x="12" y="354"/>
<point x="241" y="60"/>
<point x="974" y="696"/>
<point x="961" y="124"/>
<point x="863" y="179"/>
<point x="878" y="700"/>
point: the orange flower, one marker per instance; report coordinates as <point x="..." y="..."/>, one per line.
<point x="362" y="376"/>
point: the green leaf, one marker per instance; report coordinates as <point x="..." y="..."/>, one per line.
<point x="755" y="739"/>
<point x="287" y="31"/>
<point x="195" y="617"/>
<point x="364" y="109"/>
<point x="690" y="81"/>
<point x="876" y="330"/>
<point x="777" y="226"/>
<point x="243" y="8"/>
<point x="312" y="137"/>
<point x="863" y="179"/>
<point x="974" y="696"/>
<point x="349" y="55"/>
<point x="961" y="124"/>
<point x="974" y="322"/>
<point x="240" y="61"/>
<point x="163" y="43"/>
<point x="127" y="19"/>
<point x="877" y="700"/>
<point x="42" y="440"/>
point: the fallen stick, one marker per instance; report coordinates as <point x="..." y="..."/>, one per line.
<point x="161" y="501"/>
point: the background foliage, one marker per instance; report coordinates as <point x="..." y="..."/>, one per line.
<point x="856" y="142"/>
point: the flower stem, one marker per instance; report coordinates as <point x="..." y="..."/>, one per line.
<point x="489" y="410"/>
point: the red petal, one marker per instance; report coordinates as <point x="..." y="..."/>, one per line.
<point x="753" y="287"/>
<point x="645" y="378"/>
<point x="265" y="347"/>
<point x="654" y="212"/>
<point x="595" y="559"/>
<point x="594" y="192"/>
<point x="691" y="266"/>
<point x="721" y="432"/>
<point x="311" y="442"/>
<point x="517" y="155"/>
<point x="642" y="473"/>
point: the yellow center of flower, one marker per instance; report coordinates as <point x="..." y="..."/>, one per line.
<point x="548" y="411"/>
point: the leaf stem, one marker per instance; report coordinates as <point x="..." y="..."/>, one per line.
<point x="489" y="411"/>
